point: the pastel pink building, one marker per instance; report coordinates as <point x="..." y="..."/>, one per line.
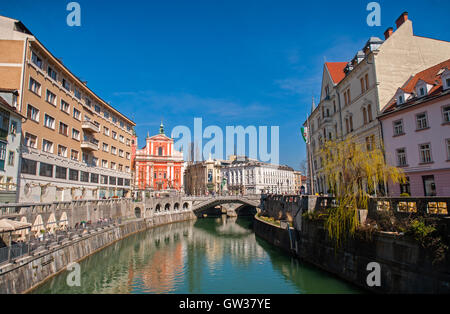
<point x="416" y="133"/>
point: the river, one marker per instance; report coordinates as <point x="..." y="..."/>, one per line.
<point x="207" y="256"/>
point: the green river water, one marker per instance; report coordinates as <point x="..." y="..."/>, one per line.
<point x="207" y="256"/>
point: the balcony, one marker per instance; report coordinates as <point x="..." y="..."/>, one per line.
<point x="90" y="126"/>
<point x="89" y="144"/>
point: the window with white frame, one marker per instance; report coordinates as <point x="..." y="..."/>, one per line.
<point x="401" y="157"/>
<point x="36" y="60"/>
<point x="446" y="113"/>
<point x="120" y="153"/>
<point x="62" y="151"/>
<point x="398" y="128"/>
<point x="33" y="113"/>
<point x="425" y="153"/>
<point x="113" y="150"/>
<point x="52" y="73"/>
<point x="66" y="84"/>
<point x="114" y="135"/>
<point x="77" y="114"/>
<point x="30" y="140"/>
<point x="35" y="86"/>
<point x="49" y="121"/>
<point x="75" y="134"/>
<point x="74" y="155"/>
<point x="106" y="131"/>
<point x="121" y="139"/>
<point x="65" y="106"/>
<point x="422" y="121"/>
<point x="50" y="97"/>
<point x="47" y="146"/>
<point x="104" y="163"/>
<point x="128" y="156"/>
<point x="105" y="147"/>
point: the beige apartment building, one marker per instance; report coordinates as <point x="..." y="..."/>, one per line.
<point x="203" y="178"/>
<point x="74" y="144"/>
<point x="354" y="93"/>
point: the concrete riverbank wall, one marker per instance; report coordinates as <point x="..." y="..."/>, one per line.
<point x="31" y="271"/>
<point x="404" y="265"/>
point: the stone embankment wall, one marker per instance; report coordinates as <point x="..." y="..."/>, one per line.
<point x="405" y="266"/>
<point x="29" y="272"/>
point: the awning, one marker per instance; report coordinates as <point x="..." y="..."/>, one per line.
<point x="7" y="225"/>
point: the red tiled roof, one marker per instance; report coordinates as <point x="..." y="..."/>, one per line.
<point x="336" y="70"/>
<point x="429" y="76"/>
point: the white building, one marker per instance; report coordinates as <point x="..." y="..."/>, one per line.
<point x="10" y="137"/>
<point x="249" y="176"/>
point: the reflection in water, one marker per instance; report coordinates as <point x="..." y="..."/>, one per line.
<point x="206" y="256"/>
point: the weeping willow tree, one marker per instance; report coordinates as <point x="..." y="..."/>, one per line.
<point x="353" y="173"/>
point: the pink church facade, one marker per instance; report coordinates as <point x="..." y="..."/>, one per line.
<point x="416" y="133"/>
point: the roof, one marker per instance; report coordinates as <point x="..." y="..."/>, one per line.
<point x="4" y="104"/>
<point x="431" y="76"/>
<point x="336" y="70"/>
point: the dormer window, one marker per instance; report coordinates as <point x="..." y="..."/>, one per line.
<point x="421" y="91"/>
<point x="422" y="88"/>
<point x="401" y="100"/>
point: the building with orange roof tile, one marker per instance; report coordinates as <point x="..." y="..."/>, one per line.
<point x="353" y="94"/>
<point x="416" y="133"/>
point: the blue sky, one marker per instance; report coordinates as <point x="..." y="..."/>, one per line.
<point x="229" y="62"/>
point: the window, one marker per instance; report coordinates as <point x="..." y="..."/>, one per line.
<point x="50" y="98"/>
<point x="106" y="131"/>
<point x="61" y="173"/>
<point x="74" y="155"/>
<point x="369" y="112"/>
<point x="113" y="150"/>
<point x="77" y="114"/>
<point x="365" y="115"/>
<point x="84" y="177"/>
<point x="425" y="153"/>
<point x="122" y="124"/>
<point x="127" y="182"/>
<point x="106" y="114"/>
<point x="77" y="93"/>
<point x="94" y="178"/>
<point x="35" y="87"/>
<point x="113" y="165"/>
<point x="367" y="81"/>
<point x="114" y="119"/>
<point x="105" y="147"/>
<point x="13" y="128"/>
<point x="66" y="84"/>
<point x="75" y="134"/>
<point x="160" y="151"/>
<point x="52" y="73"/>
<point x="128" y="142"/>
<point x="95" y="161"/>
<point x="446" y="114"/>
<point x="398" y="128"/>
<point x="120" y="153"/>
<point x="104" y="180"/>
<point x="63" y="129"/>
<point x="104" y="163"/>
<point x="11" y="157"/>
<point x="2" y="157"/>
<point x="88" y="102"/>
<point x="401" y="157"/>
<point x="73" y="175"/>
<point x="127" y="169"/>
<point x="97" y="108"/>
<point x="46" y="170"/>
<point x="30" y="140"/>
<point x="29" y="166"/>
<point x="406" y="187"/>
<point x="370" y="142"/>
<point x="36" y="60"/>
<point x="47" y="146"/>
<point x="400" y="100"/>
<point x="422" y="121"/>
<point x="62" y="151"/>
<point x="422" y="91"/>
<point x="448" y="149"/>
<point x="363" y="86"/>
<point x="120" y="168"/>
<point x="114" y="135"/>
<point x="65" y="106"/>
<point x="33" y="113"/>
<point x="121" y="139"/>
<point x="112" y="180"/>
<point x="49" y="122"/>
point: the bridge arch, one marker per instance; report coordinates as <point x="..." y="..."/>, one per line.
<point x="176" y="207"/>
<point x="137" y="212"/>
<point x="158" y="208"/>
<point x="167" y="207"/>
<point x="186" y="206"/>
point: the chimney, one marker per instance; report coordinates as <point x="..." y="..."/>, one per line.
<point x="402" y="19"/>
<point x="388" y="32"/>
